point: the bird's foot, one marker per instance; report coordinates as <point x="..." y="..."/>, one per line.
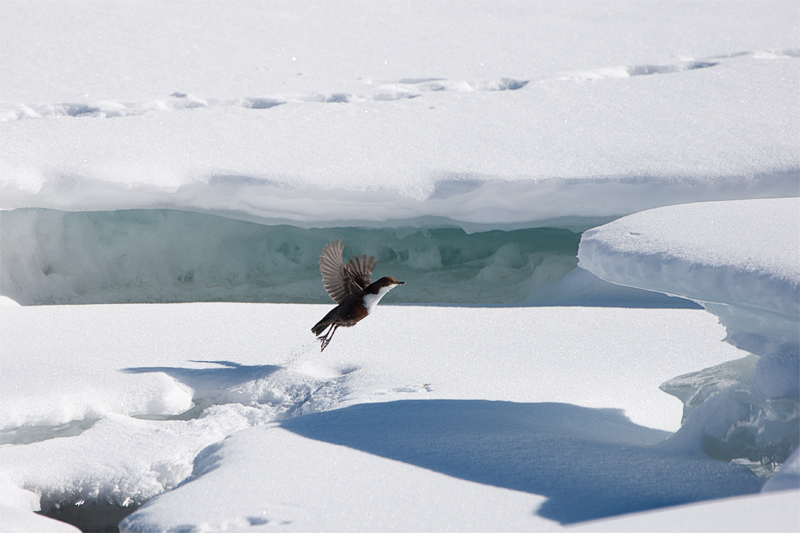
<point x="324" y="340"/>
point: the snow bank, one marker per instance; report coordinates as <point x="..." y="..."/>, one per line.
<point x="741" y="261"/>
<point x="309" y="486"/>
<point x="16" y="505"/>
<point x="395" y="123"/>
<point x="740" y="254"/>
<point x="19" y="521"/>
<point x="388" y="116"/>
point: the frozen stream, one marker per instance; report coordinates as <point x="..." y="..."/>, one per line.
<point x="156" y="256"/>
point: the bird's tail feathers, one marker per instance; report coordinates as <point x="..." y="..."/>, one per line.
<point x="320" y="326"/>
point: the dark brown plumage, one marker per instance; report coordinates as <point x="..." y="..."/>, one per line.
<point x="349" y="286"/>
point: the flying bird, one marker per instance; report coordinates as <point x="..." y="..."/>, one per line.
<point x="349" y="286"/>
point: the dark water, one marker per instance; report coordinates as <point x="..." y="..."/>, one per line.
<point x="90" y="517"/>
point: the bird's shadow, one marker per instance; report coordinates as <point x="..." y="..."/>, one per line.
<point x="226" y="375"/>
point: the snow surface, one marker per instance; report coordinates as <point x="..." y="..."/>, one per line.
<point x="746" y="513"/>
<point x="400" y="119"/>
<point x="493" y="116"/>
<point x="744" y="253"/>
<point x="158" y="343"/>
<point x="15" y="520"/>
<point x="741" y="261"/>
<point x="115" y="379"/>
<point x="788" y="477"/>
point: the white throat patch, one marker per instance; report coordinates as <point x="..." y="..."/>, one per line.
<point x="371" y="300"/>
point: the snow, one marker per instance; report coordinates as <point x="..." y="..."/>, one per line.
<point x="19" y="521"/>
<point x="204" y="152"/>
<point x="741" y="261"/>
<point x="158" y="344"/>
<point x="388" y="117"/>
<point x="788" y="477"/>
<point x="447" y="437"/>
<point x="389" y="494"/>
<point x="15" y="515"/>
<point x="743" y="253"/>
<point x="745" y="513"/>
<point x="247" y="367"/>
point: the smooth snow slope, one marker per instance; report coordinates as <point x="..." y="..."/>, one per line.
<point x="779" y="513"/>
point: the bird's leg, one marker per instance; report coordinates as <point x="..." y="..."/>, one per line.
<point x="326" y="339"/>
<point x="325" y="335"/>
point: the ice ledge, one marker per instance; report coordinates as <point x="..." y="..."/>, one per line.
<point x="741" y="261"/>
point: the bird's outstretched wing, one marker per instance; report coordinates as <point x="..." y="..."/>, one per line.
<point x="359" y="270"/>
<point x="342" y="280"/>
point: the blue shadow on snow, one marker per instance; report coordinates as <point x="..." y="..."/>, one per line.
<point x="204" y="380"/>
<point x="589" y="463"/>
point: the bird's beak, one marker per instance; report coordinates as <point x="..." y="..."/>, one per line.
<point x="401" y="282"/>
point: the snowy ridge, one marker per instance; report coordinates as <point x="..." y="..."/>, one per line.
<point x="477" y="152"/>
<point x="471" y="202"/>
